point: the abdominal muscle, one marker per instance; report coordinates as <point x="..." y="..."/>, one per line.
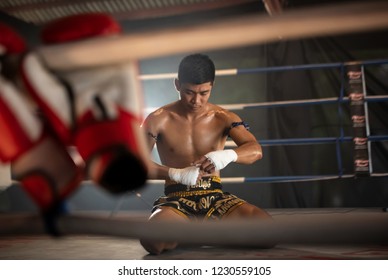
<point x="181" y="152"/>
<point x="182" y="142"/>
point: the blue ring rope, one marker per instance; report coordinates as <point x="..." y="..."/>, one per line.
<point x="304" y="178"/>
<point x="301" y="141"/>
<point x="308" y="66"/>
<point x="300" y="178"/>
<point x="319" y="101"/>
<point x="318" y="140"/>
<point x="287" y="68"/>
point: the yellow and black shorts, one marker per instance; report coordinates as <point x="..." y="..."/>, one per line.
<point x="205" y="200"/>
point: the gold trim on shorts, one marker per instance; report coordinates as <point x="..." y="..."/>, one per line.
<point x="201" y="183"/>
<point x="191" y="193"/>
<point x="232" y="209"/>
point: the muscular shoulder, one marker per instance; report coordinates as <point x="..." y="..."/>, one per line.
<point x="225" y="115"/>
<point x="159" y="116"/>
<point x="229" y="119"/>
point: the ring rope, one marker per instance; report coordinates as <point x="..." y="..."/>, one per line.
<point x="347" y="228"/>
<point x="267" y="179"/>
<point x="163" y="76"/>
<point x="316" y="140"/>
<point x="236" y="71"/>
<point x="299" y="102"/>
<point x="254" y="30"/>
<point x="275" y="179"/>
<point x="282" y="179"/>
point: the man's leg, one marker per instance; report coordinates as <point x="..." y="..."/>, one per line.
<point x="249" y="211"/>
<point x="164" y="213"/>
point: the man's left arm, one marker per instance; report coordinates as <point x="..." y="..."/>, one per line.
<point x="248" y="149"/>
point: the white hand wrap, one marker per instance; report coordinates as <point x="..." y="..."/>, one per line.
<point x="220" y="159"/>
<point x="186" y="176"/>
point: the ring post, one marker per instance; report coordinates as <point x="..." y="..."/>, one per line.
<point x="355" y="91"/>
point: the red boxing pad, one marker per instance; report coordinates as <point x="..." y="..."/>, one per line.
<point x="11" y="40"/>
<point x="78" y="27"/>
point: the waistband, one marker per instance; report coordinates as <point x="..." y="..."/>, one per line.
<point x="204" y="186"/>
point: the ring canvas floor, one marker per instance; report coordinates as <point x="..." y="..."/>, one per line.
<point x="90" y="247"/>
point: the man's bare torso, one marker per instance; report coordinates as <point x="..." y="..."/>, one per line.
<point x="184" y="138"/>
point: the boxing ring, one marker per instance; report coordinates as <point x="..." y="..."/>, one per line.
<point x="341" y="138"/>
<point x="343" y="226"/>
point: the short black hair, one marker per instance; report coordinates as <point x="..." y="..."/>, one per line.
<point x="196" y="69"/>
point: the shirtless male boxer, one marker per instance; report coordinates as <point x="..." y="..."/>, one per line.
<point x="190" y="136"/>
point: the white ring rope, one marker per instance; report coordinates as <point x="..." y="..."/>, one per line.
<point x="280" y="179"/>
<point x="352" y="228"/>
<point x="164" y="76"/>
<point x="299" y="23"/>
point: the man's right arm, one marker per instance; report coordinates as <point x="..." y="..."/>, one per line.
<point x="156" y="171"/>
<point x="186" y="176"/>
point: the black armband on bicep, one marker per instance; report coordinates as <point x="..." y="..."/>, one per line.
<point x="155" y="137"/>
<point x="235" y="124"/>
<point x="240" y="123"/>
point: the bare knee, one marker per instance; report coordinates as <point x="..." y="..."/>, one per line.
<point x="151" y="247"/>
<point x="157" y="246"/>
